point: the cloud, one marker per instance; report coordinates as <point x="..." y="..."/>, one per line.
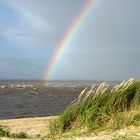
<point x="26" y="28"/>
<point x="45" y="21"/>
<point x="109" y="34"/>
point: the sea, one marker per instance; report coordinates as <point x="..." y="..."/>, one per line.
<point x="33" y="98"/>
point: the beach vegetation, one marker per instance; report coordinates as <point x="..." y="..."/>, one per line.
<point x="101" y="108"/>
<point x="5" y="132"/>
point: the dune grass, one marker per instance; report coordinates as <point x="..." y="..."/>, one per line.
<point x="101" y="108"/>
<point x="5" y="132"/>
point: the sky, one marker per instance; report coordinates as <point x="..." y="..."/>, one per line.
<point x="105" y="47"/>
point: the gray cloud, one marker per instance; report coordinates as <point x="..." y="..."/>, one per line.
<point x="106" y="45"/>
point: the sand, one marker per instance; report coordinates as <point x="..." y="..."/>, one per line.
<point x="38" y="125"/>
<point x="32" y="126"/>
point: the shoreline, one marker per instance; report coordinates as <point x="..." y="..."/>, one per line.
<point x="97" y="114"/>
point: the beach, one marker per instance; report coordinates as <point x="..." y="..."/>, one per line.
<point x="32" y="126"/>
<point x="29" y="106"/>
<point x="38" y="126"/>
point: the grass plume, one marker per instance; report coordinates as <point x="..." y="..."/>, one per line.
<point x="102" y="107"/>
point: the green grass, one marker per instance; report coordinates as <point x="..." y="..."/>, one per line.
<point x="5" y="132"/>
<point x="101" y="108"/>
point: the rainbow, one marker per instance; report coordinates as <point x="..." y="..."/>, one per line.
<point x="68" y="38"/>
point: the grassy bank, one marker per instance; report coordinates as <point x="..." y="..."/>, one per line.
<point x="101" y="108"/>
